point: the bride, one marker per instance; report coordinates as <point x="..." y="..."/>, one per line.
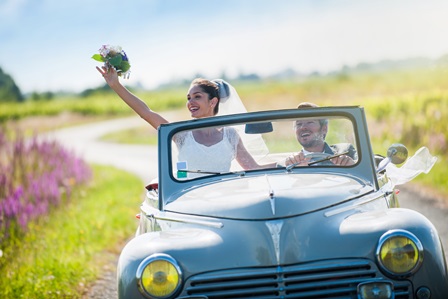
<point x="205" y="98"/>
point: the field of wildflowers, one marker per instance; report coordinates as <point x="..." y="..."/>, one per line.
<point x="35" y="176"/>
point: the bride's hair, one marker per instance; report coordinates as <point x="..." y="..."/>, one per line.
<point x="229" y="102"/>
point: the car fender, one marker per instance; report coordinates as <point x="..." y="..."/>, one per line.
<point x="379" y="222"/>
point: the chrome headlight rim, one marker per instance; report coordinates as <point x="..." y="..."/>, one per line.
<point x="399" y="233"/>
<point x="150" y="259"/>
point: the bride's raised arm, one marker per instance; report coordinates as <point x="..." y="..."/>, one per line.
<point x="140" y="107"/>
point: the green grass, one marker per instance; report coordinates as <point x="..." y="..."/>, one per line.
<point x="106" y="103"/>
<point x="437" y="178"/>
<point x="61" y="254"/>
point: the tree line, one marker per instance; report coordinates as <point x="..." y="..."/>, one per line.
<point x="9" y="91"/>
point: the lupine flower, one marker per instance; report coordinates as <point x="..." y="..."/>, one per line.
<point x="42" y="176"/>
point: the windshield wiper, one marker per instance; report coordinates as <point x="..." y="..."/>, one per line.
<point x="241" y="172"/>
<point x="328" y="158"/>
<point x="198" y="171"/>
<point x="291" y="166"/>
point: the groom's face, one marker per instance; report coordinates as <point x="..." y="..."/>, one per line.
<point x="310" y="132"/>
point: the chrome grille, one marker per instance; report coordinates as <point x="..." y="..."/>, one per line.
<point x="329" y="279"/>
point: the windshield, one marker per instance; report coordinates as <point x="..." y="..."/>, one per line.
<point x="283" y="143"/>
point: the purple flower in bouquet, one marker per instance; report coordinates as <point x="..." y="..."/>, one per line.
<point x="114" y="56"/>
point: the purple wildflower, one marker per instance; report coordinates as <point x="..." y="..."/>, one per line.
<point x="42" y="175"/>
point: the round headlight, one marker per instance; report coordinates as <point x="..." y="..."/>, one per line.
<point x="158" y="276"/>
<point x="399" y="253"/>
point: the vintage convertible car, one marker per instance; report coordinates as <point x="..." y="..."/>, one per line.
<point x="318" y="230"/>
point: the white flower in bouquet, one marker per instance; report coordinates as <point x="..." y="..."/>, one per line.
<point x="114" y="56"/>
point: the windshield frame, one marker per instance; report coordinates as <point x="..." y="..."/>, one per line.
<point x="170" y="187"/>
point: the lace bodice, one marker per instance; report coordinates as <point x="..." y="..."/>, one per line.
<point x="215" y="158"/>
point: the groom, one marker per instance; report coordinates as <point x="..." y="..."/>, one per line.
<point x="311" y="135"/>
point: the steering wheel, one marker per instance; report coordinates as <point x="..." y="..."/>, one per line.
<point x="315" y="159"/>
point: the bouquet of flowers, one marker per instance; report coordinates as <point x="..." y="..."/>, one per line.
<point x="114" y="56"/>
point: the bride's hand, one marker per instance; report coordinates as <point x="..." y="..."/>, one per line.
<point x="298" y="159"/>
<point x="109" y="74"/>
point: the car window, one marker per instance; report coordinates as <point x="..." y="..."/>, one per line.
<point x="260" y="145"/>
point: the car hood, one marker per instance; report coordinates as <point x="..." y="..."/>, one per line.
<point x="268" y="196"/>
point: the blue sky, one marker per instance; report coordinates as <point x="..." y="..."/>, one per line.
<point x="46" y="45"/>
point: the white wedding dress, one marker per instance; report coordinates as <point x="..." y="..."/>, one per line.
<point x="220" y="156"/>
<point x="214" y="158"/>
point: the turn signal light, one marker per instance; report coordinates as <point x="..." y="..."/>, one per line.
<point x="376" y="290"/>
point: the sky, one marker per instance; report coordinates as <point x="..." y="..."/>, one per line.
<point x="46" y="45"/>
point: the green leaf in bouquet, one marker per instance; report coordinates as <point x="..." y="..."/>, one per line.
<point x="125" y="66"/>
<point x="115" y="61"/>
<point x="98" y="57"/>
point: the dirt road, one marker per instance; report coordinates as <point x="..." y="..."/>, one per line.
<point x="142" y="161"/>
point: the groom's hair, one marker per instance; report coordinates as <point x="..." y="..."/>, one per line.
<point x="305" y="105"/>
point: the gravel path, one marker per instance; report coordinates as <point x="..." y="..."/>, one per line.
<point x="142" y="160"/>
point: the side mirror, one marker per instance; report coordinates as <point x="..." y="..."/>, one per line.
<point x="397" y="153"/>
